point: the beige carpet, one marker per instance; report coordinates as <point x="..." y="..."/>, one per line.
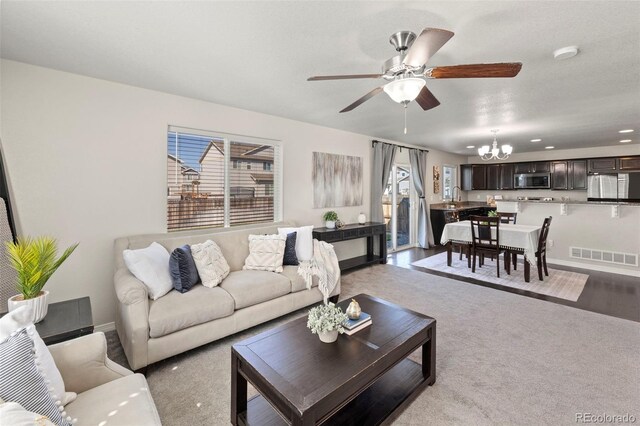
<point x="501" y="358"/>
<point x="562" y="284"/>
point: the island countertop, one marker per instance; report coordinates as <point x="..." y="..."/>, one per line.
<point x="459" y="205"/>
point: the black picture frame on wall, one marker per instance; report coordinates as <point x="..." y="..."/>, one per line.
<point x="4" y="193"/>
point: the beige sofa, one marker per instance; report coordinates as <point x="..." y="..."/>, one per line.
<point x="152" y="330"/>
<point x="107" y="393"/>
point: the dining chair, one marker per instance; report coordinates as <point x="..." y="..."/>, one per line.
<point x="450" y="217"/>
<point x="484" y="241"/>
<point x="509" y="218"/>
<point x="541" y="253"/>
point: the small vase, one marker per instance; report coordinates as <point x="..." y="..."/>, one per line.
<point x="328" y="336"/>
<point x="39" y="305"/>
<point x="362" y="219"/>
<point x="331" y="224"/>
<point x="353" y="310"/>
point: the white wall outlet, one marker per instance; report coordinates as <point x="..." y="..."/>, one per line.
<point x="550" y="242"/>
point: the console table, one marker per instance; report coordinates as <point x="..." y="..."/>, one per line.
<point x="353" y="231"/>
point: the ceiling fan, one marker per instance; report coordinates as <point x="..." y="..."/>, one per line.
<point x="406" y="72"/>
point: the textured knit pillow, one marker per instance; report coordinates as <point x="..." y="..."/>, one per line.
<point x="304" y="241"/>
<point x="290" y="257"/>
<point x="211" y="264"/>
<point x="184" y="273"/>
<point x="21" y="381"/>
<point x="151" y="266"/>
<point x="265" y="253"/>
<point x="21" y="318"/>
<point x="12" y="413"/>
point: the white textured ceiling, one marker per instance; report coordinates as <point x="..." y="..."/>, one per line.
<point x="257" y="56"/>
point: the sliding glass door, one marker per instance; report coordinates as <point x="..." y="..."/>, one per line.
<point x="398" y="203"/>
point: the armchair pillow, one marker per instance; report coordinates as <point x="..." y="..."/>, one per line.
<point x="184" y="273"/>
<point x="211" y="264"/>
<point x="266" y="253"/>
<point x="21" y="381"/>
<point x="151" y="266"/>
<point x="304" y="241"/>
<point x="20" y="318"/>
<point x="12" y="413"/>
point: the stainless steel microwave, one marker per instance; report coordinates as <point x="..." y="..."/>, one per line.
<point x="532" y="181"/>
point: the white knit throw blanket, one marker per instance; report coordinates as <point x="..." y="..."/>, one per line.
<point x="324" y="265"/>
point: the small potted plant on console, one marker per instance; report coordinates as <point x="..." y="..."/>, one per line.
<point x="330" y="219"/>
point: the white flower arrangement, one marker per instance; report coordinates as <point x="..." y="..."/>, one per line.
<point x="325" y="318"/>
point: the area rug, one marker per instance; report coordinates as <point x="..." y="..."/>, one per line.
<point x="561" y="284"/>
<point x="501" y="358"/>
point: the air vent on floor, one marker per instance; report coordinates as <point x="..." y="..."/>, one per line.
<point x="627" y="259"/>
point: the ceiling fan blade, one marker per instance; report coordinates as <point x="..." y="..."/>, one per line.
<point x="342" y="77"/>
<point x="426" y="45"/>
<point x="508" y="69"/>
<point x="426" y="99"/>
<point x="363" y="99"/>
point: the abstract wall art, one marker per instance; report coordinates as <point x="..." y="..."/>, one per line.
<point x="337" y="180"/>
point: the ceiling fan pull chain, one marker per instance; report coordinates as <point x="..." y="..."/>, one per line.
<point x="405" y="118"/>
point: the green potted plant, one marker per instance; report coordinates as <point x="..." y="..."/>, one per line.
<point x="34" y="259"/>
<point x="330" y="219"/>
<point x="326" y="321"/>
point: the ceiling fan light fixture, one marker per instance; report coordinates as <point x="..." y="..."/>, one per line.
<point x="404" y="89"/>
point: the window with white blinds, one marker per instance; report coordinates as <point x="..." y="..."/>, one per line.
<point x="221" y="180"/>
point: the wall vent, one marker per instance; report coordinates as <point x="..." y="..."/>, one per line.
<point x="627" y="259"/>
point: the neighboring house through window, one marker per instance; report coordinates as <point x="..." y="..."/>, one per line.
<point x="203" y="192"/>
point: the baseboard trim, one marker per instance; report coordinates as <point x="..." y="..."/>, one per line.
<point x="110" y="326"/>
<point x="592" y="267"/>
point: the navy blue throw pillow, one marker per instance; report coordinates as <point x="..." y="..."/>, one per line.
<point x="184" y="274"/>
<point x="290" y="257"/>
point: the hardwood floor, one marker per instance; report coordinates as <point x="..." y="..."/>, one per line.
<point x="605" y="293"/>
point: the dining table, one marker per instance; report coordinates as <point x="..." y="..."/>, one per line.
<point x="518" y="239"/>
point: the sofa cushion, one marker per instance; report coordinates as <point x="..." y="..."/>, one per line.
<point x="176" y="311"/>
<point x="290" y="257"/>
<point x="125" y="401"/>
<point x="249" y="288"/>
<point x="151" y="266"/>
<point x="297" y="282"/>
<point x="266" y="253"/>
<point x="184" y="273"/>
<point x="211" y="264"/>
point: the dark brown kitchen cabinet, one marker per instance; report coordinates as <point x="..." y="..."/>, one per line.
<point x="559" y="175"/>
<point x="479" y="176"/>
<point x="578" y="174"/>
<point x="534" y="167"/>
<point x="493" y="176"/>
<point x="506" y="176"/>
<point x="466" y="183"/>
<point x="602" y="165"/>
<point x="629" y="163"/>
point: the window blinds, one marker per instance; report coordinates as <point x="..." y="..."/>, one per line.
<point x="216" y="180"/>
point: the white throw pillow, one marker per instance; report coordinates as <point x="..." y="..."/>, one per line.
<point x="21" y="318"/>
<point x="304" y="241"/>
<point x="210" y="263"/>
<point x="12" y="413"/>
<point x="151" y="266"/>
<point x="265" y="253"/>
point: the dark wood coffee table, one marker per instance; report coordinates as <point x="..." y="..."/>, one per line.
<point x="358" y="380"/>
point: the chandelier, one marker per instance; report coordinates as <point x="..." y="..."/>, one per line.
<point x="404" y="90"/>
<point x="493" y="153"/>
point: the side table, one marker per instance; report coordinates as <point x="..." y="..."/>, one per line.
<point x="66" y="320"/>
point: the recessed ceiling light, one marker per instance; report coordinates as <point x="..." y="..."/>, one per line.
<point x="536" y="140"/>
<point x="549" y="147"/>
<point x="625" y="131"/>
<point x="565" y="52"/>
<point x="625" y="141"/>
<point x="471" y="146"/>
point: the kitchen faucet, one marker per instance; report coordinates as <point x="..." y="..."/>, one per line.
<point x="453" y="193"/>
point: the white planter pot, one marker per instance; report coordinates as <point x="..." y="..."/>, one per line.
<point x="39" y="305"/>
<point x="330" y="224"/>
<point x="328" y="336"/>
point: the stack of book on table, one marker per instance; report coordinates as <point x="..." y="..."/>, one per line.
<point x="352" y="326"/>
